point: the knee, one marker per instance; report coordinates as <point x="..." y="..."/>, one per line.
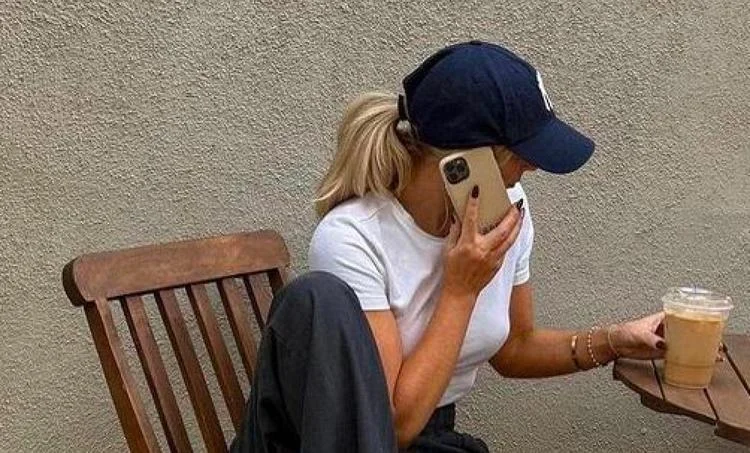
<point x="315" y="280"/>
<point x="319" y="294"/>
<point x="319" y="284"/>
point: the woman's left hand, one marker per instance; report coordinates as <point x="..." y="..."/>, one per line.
<point x="639" y="339"/>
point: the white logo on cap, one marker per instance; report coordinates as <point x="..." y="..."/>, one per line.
<point x="545" y="96"/>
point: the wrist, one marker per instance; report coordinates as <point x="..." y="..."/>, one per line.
<point x="601" y="348"/>
<point x="459" y="293"/>
<point x="613" y="340"/>
<point x="595" y="350"/>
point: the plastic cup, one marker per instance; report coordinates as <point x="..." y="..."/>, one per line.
<point x="693" y="326"/>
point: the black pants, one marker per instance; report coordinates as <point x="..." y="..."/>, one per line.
<point x="320" y="386"/>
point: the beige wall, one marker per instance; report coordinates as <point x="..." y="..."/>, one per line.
<point x="152" y="121"/>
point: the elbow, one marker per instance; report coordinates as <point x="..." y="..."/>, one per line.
<point x="407" y="429"/>
<point x="405" y="436"/>
<point x="506" y="369"/>
<point x="503" y="371"/>
<point x="509" y="373"/>
<point x="507" y="361"/>
<point x="402" y="441"/>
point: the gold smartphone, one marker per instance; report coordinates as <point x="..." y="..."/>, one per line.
<point x="463" y="170"/>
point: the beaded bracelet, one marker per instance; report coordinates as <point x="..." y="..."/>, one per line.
<point x="573" y="346"/>
<point x="590" y="349"/>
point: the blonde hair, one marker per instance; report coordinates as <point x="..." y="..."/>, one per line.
<point x="375" y="153"/>
<point x="371" y="155"/>
<point x="502" y="155"/>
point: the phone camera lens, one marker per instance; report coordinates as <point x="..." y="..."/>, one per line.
<point x="456" y="170"/>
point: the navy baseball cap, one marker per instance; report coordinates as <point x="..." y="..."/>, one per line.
<point x="480" y="94"/>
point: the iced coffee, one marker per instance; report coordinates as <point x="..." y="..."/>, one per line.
<point x="693" y="327"/>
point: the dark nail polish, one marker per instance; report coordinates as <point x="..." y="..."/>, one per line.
<point x="523" y="212"/>
<point x="661" y="345"/>
<point x="660" y="329"/>
<point x="519" y="204"/>
<point x="475" y="192"/>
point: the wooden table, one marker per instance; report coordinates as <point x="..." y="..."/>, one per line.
<point x="725" y="403"/>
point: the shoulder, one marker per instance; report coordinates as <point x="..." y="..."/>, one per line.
<point x="349" y="228"/>
<point x="352" y="217"/>
<point x="358" y="209"/>
<point x="347" y="243"/>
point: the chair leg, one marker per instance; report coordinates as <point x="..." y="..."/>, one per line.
<point x="138" y="431"/>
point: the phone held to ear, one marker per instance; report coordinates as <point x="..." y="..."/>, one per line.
<point x="462" y="171"/>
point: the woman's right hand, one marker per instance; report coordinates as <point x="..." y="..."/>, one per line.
<point x="471" y="258"/>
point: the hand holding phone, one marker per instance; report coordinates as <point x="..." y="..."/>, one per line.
<point x="472" y="259"/>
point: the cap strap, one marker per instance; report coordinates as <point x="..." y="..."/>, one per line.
<point x="402" y="115"/>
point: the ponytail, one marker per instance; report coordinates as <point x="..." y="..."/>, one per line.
<point x="370" y="154"/>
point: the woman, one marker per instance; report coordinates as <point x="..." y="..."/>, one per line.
<point x="373" y="349"/>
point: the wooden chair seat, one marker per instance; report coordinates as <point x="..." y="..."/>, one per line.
<point x="254" y="263"/>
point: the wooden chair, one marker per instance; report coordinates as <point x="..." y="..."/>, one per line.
<point x="259" y="260"/>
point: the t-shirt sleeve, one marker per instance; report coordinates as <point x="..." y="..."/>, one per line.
<point x="339" y="248"/>
<point x="526" y="238"/>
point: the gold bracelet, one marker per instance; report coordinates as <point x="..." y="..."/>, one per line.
<point x="609" y="341"/>
<point x="573" y="346"/>
<point x="590" y="349"/>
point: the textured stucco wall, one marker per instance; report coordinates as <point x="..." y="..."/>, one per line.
<point x="126" y="123"/>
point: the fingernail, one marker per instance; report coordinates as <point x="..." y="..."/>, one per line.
<point x="661" y="345"/>
<point x="475" y="192"/>
<point x="523" y="212"/>
<point x="519" y="204"/>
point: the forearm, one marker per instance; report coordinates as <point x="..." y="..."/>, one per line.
<point x="427" y="370"/>
<point x="542" y="353"/>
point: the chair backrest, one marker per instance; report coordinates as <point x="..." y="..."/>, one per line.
<point x="259" y="260"/>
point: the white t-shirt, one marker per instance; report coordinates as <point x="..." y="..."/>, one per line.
<point x="374" y="245"/>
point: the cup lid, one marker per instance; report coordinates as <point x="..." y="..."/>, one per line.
<point x="697" y="299"/>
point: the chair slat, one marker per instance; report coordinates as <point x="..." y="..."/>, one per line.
<point x="239" y="321"/>
<point x="278" y="278"/>
<point x="732" y="413"/>
<point x="640" y="375"/>
<point x="738" y="351"/>
<point x="195" y="382"/>
<point x="138" y="431"/>
<point x="114" y="274"/>
<point x="260" y="297"/>
<point x="225" y="373"/>
<point x="156" y="374"/>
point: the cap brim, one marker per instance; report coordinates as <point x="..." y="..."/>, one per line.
<point x="556" y="148"/>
